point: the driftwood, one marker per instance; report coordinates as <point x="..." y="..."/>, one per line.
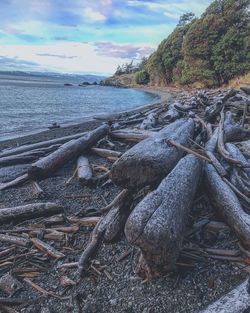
<point x="39" y="145"/>
<point x="236" y="301"/>
<point x="49" y="164"/>
<point x="26" y="157"/>
<point x="149" y="122"/>
<point x="108" y="228"/>
<point x="234" y="132"/>
<point x="29" y="211"/>
<point x="84" y="170"/>
<point x="131" y="135"/>
<point x="157" y="224"/>
<point x="9" y="173"/>
<point x="227" y="204"/>
<point x="17" y="181"/>
<point x="172" y="114"/>
<point x="106" y="153"/>
<point x="152" y="159"/>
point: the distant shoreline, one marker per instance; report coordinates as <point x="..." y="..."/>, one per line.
<point x="86" y="124"/>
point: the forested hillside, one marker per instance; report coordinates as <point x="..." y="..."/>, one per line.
<point x="210" y="50"/>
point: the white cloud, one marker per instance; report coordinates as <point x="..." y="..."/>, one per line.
<point x="94" y="16"/>
<point x="49" y="56"/>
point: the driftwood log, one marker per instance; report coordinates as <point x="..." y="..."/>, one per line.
<point x="149" y="122"/>
<point x="236" y="301"/>
<point x="29" y="211"/>
<point x="134" y="135"/>
<point x="157" y="224"/>
<point x="49" y="164"/>
<point x="153" y="158"/>
<point x="84" y="170"/>
<point x="108" y="227"/>
<point x="39" y="145"/>
<point x="26" y="157"/>
<point x="227" y="205"/>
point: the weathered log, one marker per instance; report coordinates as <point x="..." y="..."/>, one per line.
<point x="149" y="122"/>
<point x="106" y="153"/>
<point x="131" y="135"/>
<point x="17" y="181"/>
<point x="26" y="157"/>
<point x="84" y="170"/>
<point x="157" y="224"/>
<point x="29" y="211"/>
<point x="152" y="159"/>
<point x="227" y="204"/>
<point x="9" y="173"/>
<point x="39" y="145"/>
<point x="245" y="89"/>
<point x="236" y="301"/>
<point x="108" y="228"/>
<point x="234" y="132"/>
<point x="172" y="114"/>
<point x="244" y="147"/>
<point x="49" y="164"/>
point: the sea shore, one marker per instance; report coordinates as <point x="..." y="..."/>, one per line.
<point x="86" y="124"/>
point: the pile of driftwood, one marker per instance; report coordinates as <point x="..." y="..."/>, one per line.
<point x="198" y="143"/>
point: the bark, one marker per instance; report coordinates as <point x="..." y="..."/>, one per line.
<point x="236" y="301"/>
<point x="157" y="224"/>
<point x="29" y="211"/>
<point x="48" y="165"/>
<point x="227" y="205"/>
<point x="84" y="170"/>
<point x="152" y="159"/>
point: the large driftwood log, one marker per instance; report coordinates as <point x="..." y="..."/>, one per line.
<point x="29" y="211"/>
<point x="84" y="170"/>
<point x="236" y="301"/>
<point x="49" y="164"/>
<point x="157" y="224"/>
<point x="227" y="205"/>
<point x="39" y="145"/>
<point x="153" y="158"/>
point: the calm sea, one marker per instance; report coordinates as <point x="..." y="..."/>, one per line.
<point x="29" y="104"/>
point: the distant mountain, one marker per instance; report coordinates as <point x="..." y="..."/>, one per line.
<point x="79" y="78"/>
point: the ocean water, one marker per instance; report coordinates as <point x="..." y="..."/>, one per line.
<point x="30" y="104"/>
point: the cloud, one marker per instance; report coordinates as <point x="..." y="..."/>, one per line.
<point x="94" y="16"/>
<point x="113" y="50"/>
<point x="60" y="56"/>
<point x="15" y="63"/>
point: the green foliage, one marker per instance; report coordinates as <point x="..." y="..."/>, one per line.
<point x="212" y="49"/>
<point x="142" y="77"/>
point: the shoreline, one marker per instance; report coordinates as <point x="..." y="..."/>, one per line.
<point x="86" y="124"/>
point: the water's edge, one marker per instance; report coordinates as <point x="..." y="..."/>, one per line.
<point x="68" y="127"/>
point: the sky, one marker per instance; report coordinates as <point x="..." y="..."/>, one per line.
<point x="85" y="36"/>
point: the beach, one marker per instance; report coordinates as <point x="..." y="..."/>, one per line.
<point x="111" y="283"/>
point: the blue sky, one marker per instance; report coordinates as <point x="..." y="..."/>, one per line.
<point x="80" y="36"/>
